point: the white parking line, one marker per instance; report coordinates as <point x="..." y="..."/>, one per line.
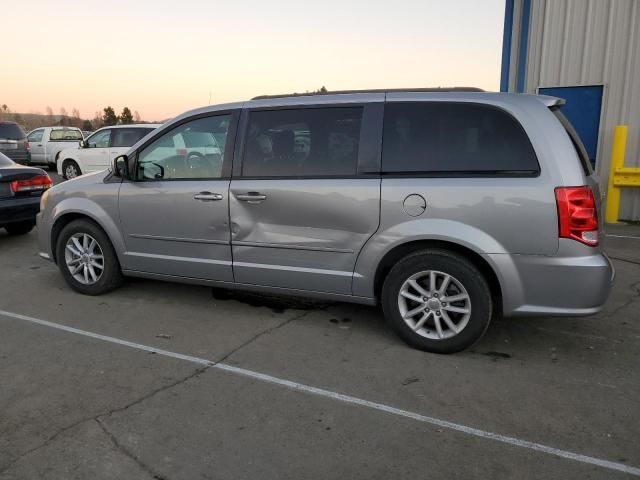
<point x="340" y="397"/>
<point x="622" y="236"/>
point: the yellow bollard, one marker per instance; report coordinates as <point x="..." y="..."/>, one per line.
<point x="617" y="161"/>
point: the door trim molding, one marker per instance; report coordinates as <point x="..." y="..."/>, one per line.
<point x="321" y="271"/>
<point x="179" y="239"/>
<point x="290" y="247"/>
<point x="179" y="259"/>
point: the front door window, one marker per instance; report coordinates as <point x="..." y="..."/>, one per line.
<point x="100" y="139"/>
<point x="192" y="150"/>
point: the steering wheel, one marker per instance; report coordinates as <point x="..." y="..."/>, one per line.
<point x="196" y="160"/>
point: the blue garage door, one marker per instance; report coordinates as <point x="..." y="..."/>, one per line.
<point x="583" y="111"/>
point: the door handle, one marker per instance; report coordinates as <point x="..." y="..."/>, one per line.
<point x="207" y="196"/>
<point x="251" y="197"/>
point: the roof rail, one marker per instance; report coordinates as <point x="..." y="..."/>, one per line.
<point x="382" y="90"/>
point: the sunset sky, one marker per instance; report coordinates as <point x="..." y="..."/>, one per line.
<point x="162" y="58"/>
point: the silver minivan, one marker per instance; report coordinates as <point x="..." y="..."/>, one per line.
<point x="445" y="207"/>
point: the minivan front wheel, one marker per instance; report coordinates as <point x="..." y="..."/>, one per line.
<point x="87" y="259"/>
<point x="437" y="301"/>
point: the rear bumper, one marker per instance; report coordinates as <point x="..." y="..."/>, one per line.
<point x="18" y="209"/>
<point x="556" y="286"/>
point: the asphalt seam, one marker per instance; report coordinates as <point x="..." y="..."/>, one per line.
<point x="635" y="288"/>
<point x="45" y="443"/>
<point x="129" y="454"/>
<point x="634" y="262"/>
<point x="258" y="335"/>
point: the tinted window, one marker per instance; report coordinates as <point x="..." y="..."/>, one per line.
<point x="100" y="139"/>
<point x="127" y="137"/>
<point x="191" y="150"/>
<point x="302" y="143"/>
<point x="11" y="131"/>
<point x="453" y="137"/>
<point x="64" y="134"/>
<point x="35" y="136"/>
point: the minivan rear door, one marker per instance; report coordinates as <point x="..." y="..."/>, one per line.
<point x="474" y="170"/>
<point x="305" y="194"/>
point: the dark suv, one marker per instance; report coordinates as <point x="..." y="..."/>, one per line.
<point x="13" y="142"/>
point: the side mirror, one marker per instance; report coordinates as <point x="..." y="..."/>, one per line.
<point x="83" y="144"/>
<point x="121" y="166"/>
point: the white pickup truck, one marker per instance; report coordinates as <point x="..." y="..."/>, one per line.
<point x="46" y="143"/>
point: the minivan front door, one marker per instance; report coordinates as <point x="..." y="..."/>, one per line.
<point x="175" y="215"/>
<point x="300" y="213"/>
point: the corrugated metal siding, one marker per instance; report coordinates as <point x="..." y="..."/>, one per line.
<point x="592" y="42"/>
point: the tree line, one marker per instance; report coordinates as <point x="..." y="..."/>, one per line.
<point x="108" y="117"/>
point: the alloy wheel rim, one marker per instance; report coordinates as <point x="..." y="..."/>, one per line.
<point x="84" y="258"/>
<point x="71" y="171"/>
<point x="434" y="304"/>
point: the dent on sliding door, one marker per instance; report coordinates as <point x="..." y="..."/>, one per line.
<point x="300" y="213"/>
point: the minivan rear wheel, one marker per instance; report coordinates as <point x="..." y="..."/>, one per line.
<point x="87" y="259"/>
<point x="437" y="301"/>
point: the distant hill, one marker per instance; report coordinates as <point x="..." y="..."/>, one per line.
<point x="29" y="121"/>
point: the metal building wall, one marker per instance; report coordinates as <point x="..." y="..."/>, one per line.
<point x="590" y="42"/>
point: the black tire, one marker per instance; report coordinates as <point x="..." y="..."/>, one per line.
<point x="20" y="228"/>
<point x="70" y="164"/>
<point x="464" y="272"/>
<point x="111" y="276"/>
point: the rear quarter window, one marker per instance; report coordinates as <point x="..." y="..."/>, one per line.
<point x="454" y="138"/>
<point x="127" y="137"/>
<point x="581" y="152"/>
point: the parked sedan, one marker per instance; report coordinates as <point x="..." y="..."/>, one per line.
<point x="20" y="191"/>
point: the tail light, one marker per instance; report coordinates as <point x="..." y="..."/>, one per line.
<point x="577" y="215"/>
<point x="34" y="184"/>
<point x="27" y="146"/>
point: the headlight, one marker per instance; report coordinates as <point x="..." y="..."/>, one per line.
<point x="43" y="200"/>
